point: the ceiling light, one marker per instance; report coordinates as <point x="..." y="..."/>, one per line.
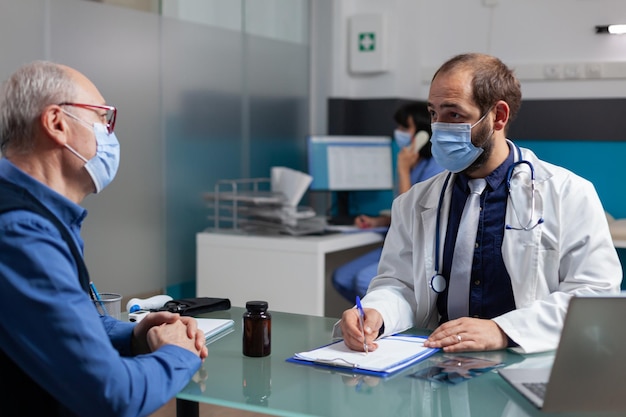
<point x="611" y="29"/>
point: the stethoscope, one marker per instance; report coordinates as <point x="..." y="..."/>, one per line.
<point x="438" y="282"/>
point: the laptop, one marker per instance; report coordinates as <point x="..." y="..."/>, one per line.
<point x="589" y="368"/>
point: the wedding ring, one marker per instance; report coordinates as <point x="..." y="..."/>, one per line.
<point x="458" y="337"/>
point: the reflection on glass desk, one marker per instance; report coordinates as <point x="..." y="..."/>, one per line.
<point x="273" y="386"/>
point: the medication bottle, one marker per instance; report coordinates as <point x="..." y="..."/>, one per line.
<point x="257" y="329"/>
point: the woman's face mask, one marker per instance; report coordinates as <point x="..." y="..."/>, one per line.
<point x="402" y="138"/>
<point x="452" y="145"/>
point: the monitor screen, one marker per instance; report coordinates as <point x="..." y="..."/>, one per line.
<point x="350" y="163"/>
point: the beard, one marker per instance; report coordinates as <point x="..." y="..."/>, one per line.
<point x="483" y="138"/>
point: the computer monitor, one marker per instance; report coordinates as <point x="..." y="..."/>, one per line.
<point x="346" y="164"/>
<point x="350" y="163"/>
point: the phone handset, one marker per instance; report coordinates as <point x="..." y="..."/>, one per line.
<point x="421" y="138"/>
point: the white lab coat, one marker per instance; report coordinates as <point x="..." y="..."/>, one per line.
<point x="571" y="253"/>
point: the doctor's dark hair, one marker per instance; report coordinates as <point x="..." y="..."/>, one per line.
<point x="421" y="119"/>
<point x="23" y="98"/>
<point x="492" y="81"/>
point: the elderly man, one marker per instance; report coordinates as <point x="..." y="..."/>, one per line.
<point x="58" y="146"/>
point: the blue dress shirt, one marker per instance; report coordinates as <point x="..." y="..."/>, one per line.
<point x="491" y="294"/>
<point x="50" y="327"/>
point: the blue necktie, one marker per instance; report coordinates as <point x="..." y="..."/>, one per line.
<point x="461" y="271"/>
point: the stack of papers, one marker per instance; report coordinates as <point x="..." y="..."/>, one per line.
<point x="215" y="328"/>
<point x="248" y="208"/>
<point x="289" y="218"/>
<point x="291" y="183"/>
<point x="394" y="353"/>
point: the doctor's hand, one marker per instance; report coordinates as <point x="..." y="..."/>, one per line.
<point x="351" y="328"/>
<point x="468" y="334"/>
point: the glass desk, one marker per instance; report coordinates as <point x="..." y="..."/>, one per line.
<point x="273" y="386"/>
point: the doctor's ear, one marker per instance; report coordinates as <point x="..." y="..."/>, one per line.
<point x="502" y="112"/>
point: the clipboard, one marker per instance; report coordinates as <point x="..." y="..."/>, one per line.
<point x="394" y="353"/>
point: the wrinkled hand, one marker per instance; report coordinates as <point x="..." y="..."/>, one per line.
<point x="193" y="331"/>
<point x="141" y="344"/>
<point x="173" y="334"/>
<point x="140" y="332"/>
<point x="467" y="334"/>
<point x="351" y="328"/>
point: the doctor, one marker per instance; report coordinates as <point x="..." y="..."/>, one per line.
<point x="542" y="235"/>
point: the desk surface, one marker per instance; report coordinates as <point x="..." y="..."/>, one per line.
<point x="311" y="243"/>
<point x="273" y="386"/>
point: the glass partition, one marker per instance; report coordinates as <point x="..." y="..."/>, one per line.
<point x="235" y="103"/>
<point x="219" y="97"/>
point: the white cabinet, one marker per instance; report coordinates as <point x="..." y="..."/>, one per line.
<point x="291" y="273"/>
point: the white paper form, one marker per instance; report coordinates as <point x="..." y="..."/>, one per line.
<point x="393" y="353"/>
<point x="349" y="166"/>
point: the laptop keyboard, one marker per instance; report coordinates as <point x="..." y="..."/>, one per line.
<point x="537" y="388"/>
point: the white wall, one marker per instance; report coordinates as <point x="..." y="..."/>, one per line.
<point x="525" y="34"/>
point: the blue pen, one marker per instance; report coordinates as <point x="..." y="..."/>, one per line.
<point x="95" y="294"/>
<point x="359" y="307"/>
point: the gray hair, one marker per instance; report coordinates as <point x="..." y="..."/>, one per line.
<point x="25" y="95"/>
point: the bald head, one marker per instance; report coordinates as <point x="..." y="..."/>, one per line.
<point x="490" y="80"/>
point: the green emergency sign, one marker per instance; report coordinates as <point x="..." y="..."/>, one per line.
<point x="367" y="41"/>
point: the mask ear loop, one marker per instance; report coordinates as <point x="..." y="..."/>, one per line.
<point x="438" y="282"/>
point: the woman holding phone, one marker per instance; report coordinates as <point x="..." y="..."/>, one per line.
<point x="414" y="164"/>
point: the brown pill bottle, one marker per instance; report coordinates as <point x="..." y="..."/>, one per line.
<point x="257" y="329"/>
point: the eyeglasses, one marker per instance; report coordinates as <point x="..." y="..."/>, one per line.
<point x="111" y="113"/>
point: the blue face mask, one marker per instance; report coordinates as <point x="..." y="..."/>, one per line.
<point x="103" y="166"/>
<point x="402" y="138"/>
<point x="452" y="145"/>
